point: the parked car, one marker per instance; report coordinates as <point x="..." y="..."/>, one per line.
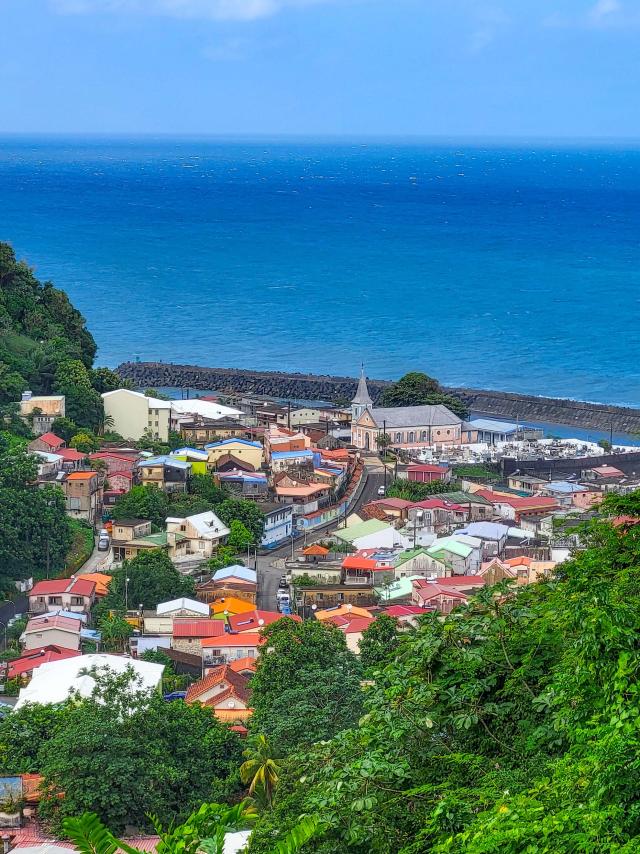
<point x="286" y="609"/>
<point x="103" y="544"/>
<point x="381" y="490"/>
<point x="283" y="583"/>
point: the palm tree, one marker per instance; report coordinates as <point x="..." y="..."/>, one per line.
<point x="262" y="770"/>
<point x="106" y="423"/>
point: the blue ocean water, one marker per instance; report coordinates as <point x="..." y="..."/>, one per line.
<point x="514" y="268"/>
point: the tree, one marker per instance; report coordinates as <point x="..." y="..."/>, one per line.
<point x="239" y="537"/>
<point x="143" y="502"/>
<point x="244" y="511"/>
<point x="224" y="556"/>
<point x="306" y="687"/>
<point x="418" y="389"/>
<point x="125" y="753"/>
<point x="85" y="442"/>
<point x="152" y="579"/>
<point x="261" y="769"/>
<point x="22" y="734"/>
<point x="34" y="529"/>
<point x="115" y="631"/>
<point x="204" y="486"/>
<point x="104" y="379"/>
<point x="383" y="441"/>
<point x="83" y="404"/>
<point x="65" y="428"/>
<point x="379" y="643"/>
<point x="606" y="445"/>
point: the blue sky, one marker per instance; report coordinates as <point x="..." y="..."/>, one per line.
<point x="552" y="68"/>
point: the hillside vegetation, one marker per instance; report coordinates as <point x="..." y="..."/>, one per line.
<point x="510" y="726"/>
<point x="45" y="345"/>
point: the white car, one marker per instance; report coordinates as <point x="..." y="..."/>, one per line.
<point x="381" y="490"/>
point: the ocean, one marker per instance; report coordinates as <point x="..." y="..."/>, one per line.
<point x="503" y="267"/>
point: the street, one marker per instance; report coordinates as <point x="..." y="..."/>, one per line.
<point x="270" y="567"/>
<point x="98" y="562"/>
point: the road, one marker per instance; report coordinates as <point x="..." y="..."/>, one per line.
<point x="98" y="562"/>
<point x="270" y="567"/>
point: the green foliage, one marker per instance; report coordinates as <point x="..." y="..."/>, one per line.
<point x="244" y="511"/>
<point x="204" y="486"/>
<point x="125" y="754"/>
<point x="412" y="490"/>
<point x="22" y="734"/>
<point x="83" y="403"/>
<point x="383" y="440"/>
<point x="261" y="770"/>
<point x="34" y="530"/>
<point x="379" y="643"/>
<point x="65" y="428"/>
<point x="85" y="442"/>
<point x="116" y="632"/>
<point x="306" y="687"/>
<point x="152" y="579"/>
<point x="143" y="502"/>
<point x="223" y="557"/>
<point x="104" y="379"/>
<point x="509" y="726"/>
<point x="39" y="328"/>
<point x="480" y="472"/>
<point x="417" y="389"/>
<point x="606" y="445"/>
<point x="81" y="547"/>
<point x="239" y="536"/>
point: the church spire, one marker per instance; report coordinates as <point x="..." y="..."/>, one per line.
<point x="362" y="398"/>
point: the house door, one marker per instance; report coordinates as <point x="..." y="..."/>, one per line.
<point x="367" y="446"/>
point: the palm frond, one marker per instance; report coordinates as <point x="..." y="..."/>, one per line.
<point x="90" y="836"/>
<point x="299" y="835"/>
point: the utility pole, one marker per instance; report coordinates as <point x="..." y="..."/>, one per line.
<point x="384" y="433"/>
<point x="289" y="414"/>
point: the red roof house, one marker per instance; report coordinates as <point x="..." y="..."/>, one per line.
<point x="71" y="594"/>
<point x="224" y="690"/>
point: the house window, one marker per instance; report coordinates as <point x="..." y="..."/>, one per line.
<point x="412" y="437"/>
<point x="398" y="437"/>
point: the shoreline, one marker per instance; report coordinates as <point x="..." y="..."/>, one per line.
<point x="303" y="386"/>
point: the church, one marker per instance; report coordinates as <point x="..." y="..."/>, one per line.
<point x="407" y="426"/>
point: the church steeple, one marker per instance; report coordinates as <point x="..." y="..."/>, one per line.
<point x="362" y="400"/>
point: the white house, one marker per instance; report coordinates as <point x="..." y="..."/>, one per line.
<point x="278" y="524"/>
<point x="204" y="532"/>
<point x="54" y="681"/>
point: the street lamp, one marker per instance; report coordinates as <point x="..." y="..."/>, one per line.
<point x="126" y="593"/>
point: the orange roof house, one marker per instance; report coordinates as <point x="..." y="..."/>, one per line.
<point x="342" y="611"/>
<point x="225" y="691"/>
<point x="315" y="550"/>
<point x="231" y="605"/>
<point x="102" y="582"/>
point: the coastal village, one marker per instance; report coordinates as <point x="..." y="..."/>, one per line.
<point x="367" y="512"/>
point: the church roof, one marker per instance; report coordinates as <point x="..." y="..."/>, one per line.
<point x="362" y="394"/>
<point x="415" y="416"/>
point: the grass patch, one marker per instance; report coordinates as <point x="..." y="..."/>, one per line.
<point x="81" y="546"/>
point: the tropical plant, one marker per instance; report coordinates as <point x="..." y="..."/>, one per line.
<point x="204" y="831"/>
<point x="261" y="770"/>
<point x="418" y="389"/>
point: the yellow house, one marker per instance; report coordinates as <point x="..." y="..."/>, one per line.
<point x="249" y="452"/>
<point x="230" y="605"/>
<point x="133" y="414"/>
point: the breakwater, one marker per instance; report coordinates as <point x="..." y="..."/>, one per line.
<point x="515" y="407"/>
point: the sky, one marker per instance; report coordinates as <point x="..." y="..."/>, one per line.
<point x="470" y="68"/>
